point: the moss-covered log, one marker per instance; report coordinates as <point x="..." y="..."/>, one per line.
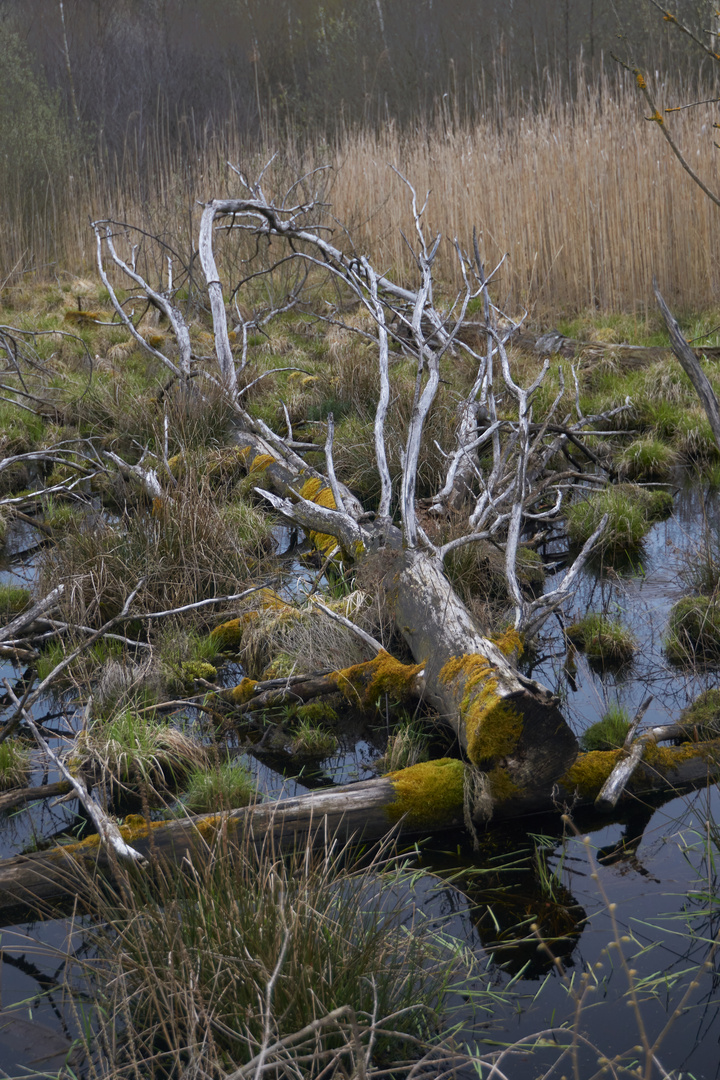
<point x="509" y="726"/>
<point x="417" y="801"/>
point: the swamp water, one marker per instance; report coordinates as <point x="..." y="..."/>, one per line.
<point x="658" y="868"/>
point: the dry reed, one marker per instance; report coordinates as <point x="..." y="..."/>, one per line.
<point x="582" y="195"/>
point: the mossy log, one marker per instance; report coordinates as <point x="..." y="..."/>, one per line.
<point x="509" y="726"/>
<point x="416" y="802"/>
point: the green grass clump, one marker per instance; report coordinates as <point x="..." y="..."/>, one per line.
<point x="631" y="511"/>
<point x="647" y="458"/>
<point x="694" y="629"/>
<point x="13" y="600"/>
<point x="135" y="749"/>
<point x="338" y="938"/>
<point x="14" y="763"/>
<point x="226" y="787"/>
<point x="703" y="715"/>
<point x="310" y="740"/>
<point x="608" y="733"/>
<point x="603" y="638"/>
<point x="408" y="745"/>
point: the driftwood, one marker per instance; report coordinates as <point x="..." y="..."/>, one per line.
<point x="556" y="344"/>
<point x="418" y="801"/>
<point x="691" y="366"/>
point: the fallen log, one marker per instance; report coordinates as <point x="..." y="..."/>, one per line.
<point x="415" y="802"/>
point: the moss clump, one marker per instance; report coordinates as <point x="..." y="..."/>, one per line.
<point x="317" y="712"/>
<point x="229" y="634"/>
<point x="631" y="511"/>
<point x="13" y="599"/>
<point x="197" y="669"/>
<point x="430" y="794"/>
<point x="609" y="733"/>
<point x="694" y="629"/>
<point x="260" y="463"/>
<point x="510" y="642"/>
<point x="241" y="693"/>
<point x="365" y="684"/>
<point x="313" y="491"/>
<point x="604" y="639"/>
<point x="228" y="786"/>
<point x="493" y="726"/>
<point x="589" y="772"/>
<point x="502" y="786"/>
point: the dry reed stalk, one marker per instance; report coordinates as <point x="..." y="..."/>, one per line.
<point x="582" y="194"/>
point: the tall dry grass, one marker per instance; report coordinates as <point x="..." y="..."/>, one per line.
<point x="584" y="197"/>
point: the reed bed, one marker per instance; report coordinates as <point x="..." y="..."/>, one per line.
<point x="582" y="195"/>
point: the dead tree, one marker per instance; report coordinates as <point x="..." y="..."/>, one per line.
<point x="509" y="726"/>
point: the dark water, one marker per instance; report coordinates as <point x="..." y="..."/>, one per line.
<point x="656" y="867"/>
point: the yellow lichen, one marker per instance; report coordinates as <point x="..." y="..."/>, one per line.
<point x="260" y="462"/>
<point x="364" y="684"/>
<point x="314" y="491"/>
<point x="241" y="693"/>
<point x="229" y="634"/>
<point x="429" y="795"/>
<point x="590" y="771"/>
<point x="502" y="786"/>
<point x="510" y="642"/>
<point x="493" y="726"/>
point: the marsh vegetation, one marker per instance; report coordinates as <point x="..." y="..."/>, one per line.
<point x="280" y="526"/>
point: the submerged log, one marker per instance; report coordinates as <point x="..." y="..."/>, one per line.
<point x="417" y="801"/>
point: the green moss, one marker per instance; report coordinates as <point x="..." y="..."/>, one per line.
<point x="317" y="712"/>
<point x="694" y="629"/>
<point x="502" y="786"/>
<point x="365" y="684"/>
<point x="229" y="634"/>
<point x="197" y="669"/>
<point x="493" y="726"/>
<point x="429" y="794"/>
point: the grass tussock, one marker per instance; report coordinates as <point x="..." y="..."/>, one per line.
<point x="608" y="733"/>
<point x="260" y="947"/>
<point x="631" y="512"/>
<point x="184" y="551"/>
<point x="136" y="751"/>
<point x="14" y="763"/>
<point x="408" y="745"/>
<point x="603" y="639"/>
<point x="225" y="786"/>
<point x="694" y="630"/>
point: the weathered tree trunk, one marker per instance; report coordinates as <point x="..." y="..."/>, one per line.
<point x="509" y="726"/>
<point x="417" y="801"/>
